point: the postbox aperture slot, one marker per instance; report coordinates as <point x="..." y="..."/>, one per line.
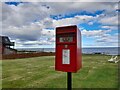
<point x="66" y="38"/>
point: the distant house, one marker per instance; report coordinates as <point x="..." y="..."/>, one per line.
<point x="5" y="44"/>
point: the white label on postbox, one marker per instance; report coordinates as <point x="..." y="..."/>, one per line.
<point x="66" y="56"/>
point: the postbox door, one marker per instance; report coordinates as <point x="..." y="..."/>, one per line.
<point x="65" y="57"/>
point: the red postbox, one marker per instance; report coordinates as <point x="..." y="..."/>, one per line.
<point x="68" y="49"/>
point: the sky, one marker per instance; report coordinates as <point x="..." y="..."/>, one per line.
<point x="32" y="24"/>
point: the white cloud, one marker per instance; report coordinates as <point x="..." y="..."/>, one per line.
<point x="43" y="42"/>
<point x="52" y="39"/>
<point x="47" y="22"/>
<point x="94" y="33"/>
<point x="90" y="23"/>
<point x="110" y="27"/>
<point x="108" y="40"/>
<point x="27" y="44"/>
<point x="63" y="0"/>
<point x="73" y="20"/>
<point x="27" y="21"/>
<point x="109" y="20"/>
<point x="48" y="32"/>
<point x="101" y="37"/>
<point x="31" y="35"/>
<point x="28" y="32"/>
<point x="25" y="13"/>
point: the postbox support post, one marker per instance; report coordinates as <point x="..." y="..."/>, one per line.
<point x="69" y="81"/>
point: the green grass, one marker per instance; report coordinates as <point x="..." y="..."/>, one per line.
<point x="39" y="72"/>
<point x="0" y="74"/>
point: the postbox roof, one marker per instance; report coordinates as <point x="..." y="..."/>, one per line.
<point x="66" y="29"/>
<point x="72" y="26"/>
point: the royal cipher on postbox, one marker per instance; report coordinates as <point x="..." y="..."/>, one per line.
<point x="68" y="49"/>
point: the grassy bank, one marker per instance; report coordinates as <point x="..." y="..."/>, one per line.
<point x="27" y="55"/>
<point x="39" y="73"/>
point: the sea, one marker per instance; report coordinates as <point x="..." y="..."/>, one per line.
<point x="95" y="50"/>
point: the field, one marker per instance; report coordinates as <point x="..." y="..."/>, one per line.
<point x="38" y="72"/>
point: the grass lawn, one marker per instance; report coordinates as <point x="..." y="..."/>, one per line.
<point x="39" y="73"/>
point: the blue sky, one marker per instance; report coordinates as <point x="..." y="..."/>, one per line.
<point x="33" y="24"/>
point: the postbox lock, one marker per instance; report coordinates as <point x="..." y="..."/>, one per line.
<point x="66" y="46"/>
